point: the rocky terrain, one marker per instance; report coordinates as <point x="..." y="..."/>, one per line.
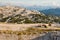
<point x="11" y="13"/>
<point x="19" y="15"/>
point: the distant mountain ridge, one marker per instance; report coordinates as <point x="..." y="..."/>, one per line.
<point x="38" y="7"/>
<point x="55" y="11"/>
<point x="48" y="10"/>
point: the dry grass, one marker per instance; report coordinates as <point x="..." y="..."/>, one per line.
<point x="29" y="31"/>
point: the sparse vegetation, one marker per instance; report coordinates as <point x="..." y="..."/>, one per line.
<point x="20" y="16"/>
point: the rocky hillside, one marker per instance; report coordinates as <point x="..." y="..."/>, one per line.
<point x="14" y="14"/>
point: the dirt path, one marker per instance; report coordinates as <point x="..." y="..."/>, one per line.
<point x="19" y="27"/>
<point x="15" y="27"/>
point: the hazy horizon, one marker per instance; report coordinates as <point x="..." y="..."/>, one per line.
<point x="32" y="2"/>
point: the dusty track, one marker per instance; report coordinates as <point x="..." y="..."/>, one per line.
<point x="19" y="27"/>
<point x="15" y="27"/>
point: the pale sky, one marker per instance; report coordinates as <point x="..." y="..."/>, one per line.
<point x="33" y="2"/>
